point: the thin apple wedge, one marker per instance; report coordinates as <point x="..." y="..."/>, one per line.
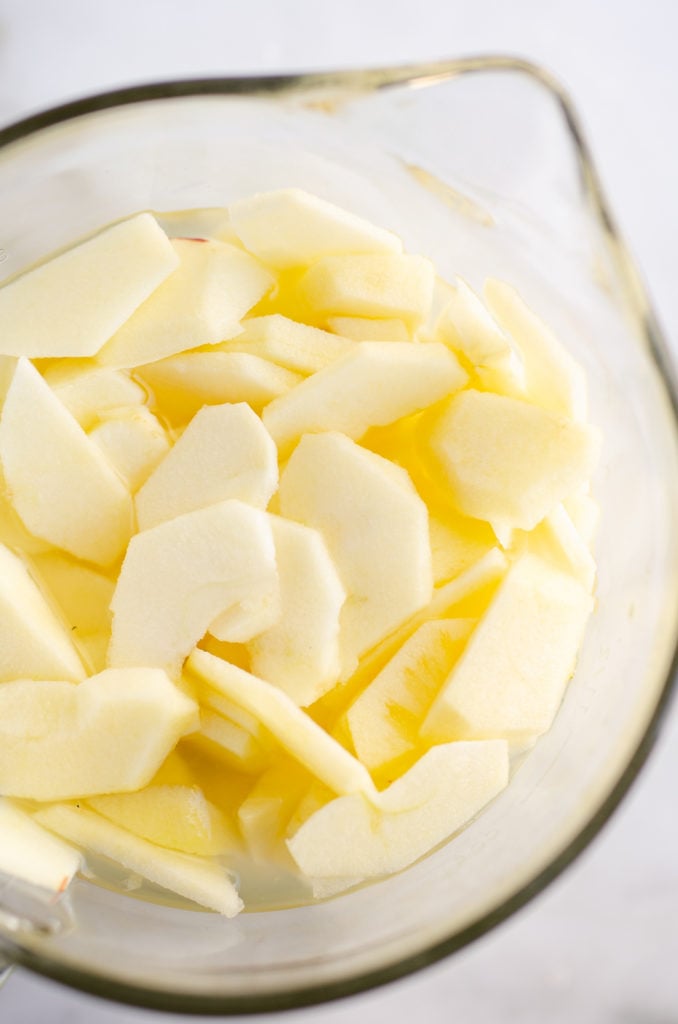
<point x="288" y="343"/>
<point x="298" y="734"/>
<point x="178" y="578"/>
<point x="33" y="854"/>
<point x="89" y="391"/>
<point x="111" y="274"/>
<point x="226" y="740"/>
<point x="225" y="452"/>
<point x="34" y="644"/>
<point x="107" y="734"/>
<point x="363" y="328"/>
<point x="134" y="442"/>
<point x="444" y="789"/>
<point x="201" y="303"/>
<point x="375" y="383"/>
<point x="290" y="227"/>
<point x="198" y="879"/>
<point x="61" y="484"/>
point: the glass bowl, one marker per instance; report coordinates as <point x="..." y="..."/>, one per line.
<point x="480" y="165"/>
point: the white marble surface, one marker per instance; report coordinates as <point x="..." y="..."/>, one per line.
<point x="599" y="947"/>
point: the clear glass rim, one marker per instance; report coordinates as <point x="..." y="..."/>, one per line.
<point x="354" y="83"/>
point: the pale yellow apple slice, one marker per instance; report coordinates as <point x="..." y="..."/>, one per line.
<point x="212" y="700"/>
<point x="384" y="720"/>
<point x="229" y="742"/>
<point x="29" y="852"/>
<point x="510" y="680"/>
<point x="177" y="817"/>
<point x="361" y="328"/>
<point x="61" y="484"/>
<point x="199" y="221"/>
<point x="288" y="343"/>
<point x="468" y="329"/>
<point x="379" y="286"/>
<point x="225" y="452"/>
<point x="508" y="461"/>
<point x="552" y="377"/>
<point x="133" y="441"/>
<point x="34" y="644"/>
<point x="178" y="577"/>
<point x="89" y="391"/>
<point x="290" y="227"/>
<point x="375" y="526"/>
<point x="300" y="653"/>
<point x="107" y="734"/>
<point x="183" y="384"/>
<point x="456" y="543"/>
<point x="564" y="542"/>
<point x="442" y="791"/>
<point x="298" y="734"/>
<point x="204" y="881"/>
<point x="70" y="305"/>
<point x="264" y="813"/>
<point x="201" y="303"/>
<point x="13" y="533"/>
<point x="375" y="383"/>
<point x="82" y="594"/>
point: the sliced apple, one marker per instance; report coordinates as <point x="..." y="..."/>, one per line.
<point x="71" y="304"/>
<point x="288" y="343"/>
<point x="468" y="329"/>
<point x="375" y="383"/>
<point x="456" y="543"/>
<point x="89" y="391"/>
<point x="228" y="741"/>
<point x="178" y="577"/>
<point x="183" y="384"/>
<point x="552" y="377"/>
<point x="508" y="461"/>
<point x="107" y="734"/>
<point x="225" y="452"/>
<point x="195" y="878"/>
<point x="361" y="328"/>
<point x="300" y="653"/>
<point x="384" y="721"/>
<point x="61" y="484"/>
<point x="442" y="791"/>
<point x="568" y="547"/>
<point x="510" y="680"/>
<point x="264" y="813"/>
<point x="29" y="852"/>
<point x="290" y="227"/>
<point x="298" y="734"/>
<point x="177" y="817"/>
<point x="133" y="441"/>
<point x="375" y="526"/>
<point x="33" y="642"/>
<point x="201" y="303"/>
<point x="380" y="286"/>
<point x="82" y="594"/>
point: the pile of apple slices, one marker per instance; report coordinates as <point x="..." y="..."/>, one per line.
<point x="294" y="549"/>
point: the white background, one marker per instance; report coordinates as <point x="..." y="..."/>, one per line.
<point x="600" y="946"/>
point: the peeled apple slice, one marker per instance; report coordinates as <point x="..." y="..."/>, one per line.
<point x="298" y="734"/>
<point x="82" y="593"/>
<point x="375" y="383"/>
<point x="111" y="274"/>
<point x="552" y="377"/>
<point x="61" y="484"/>
<point x="287" y="343"/>
<point x="225" y="452"/>
<point x="201" y="303"/>
<point x="375" y="526"/>
<point x="177" y="817"/>
<point x="510" y="680"/>
<point x="384" y="720"/>
<point x="290" y="227"/>
<point x="203" y="881"/>
<point x="33" y="854"/>
<point x="300" y="653"/>
<point x="107" y="734"/>
<point x="89" y="391"/>
<point x="33" y="643"/>
<point x="183" y="384"/>
<point x="442" y="791"/>
<point x="379" y="286"/>
<point x="507" y="461"/>
<point x="134" y="443"/>
<point x="228" y="741"/>
<point x="468" y="329"/>
<point x="360" y="328"/>
<point x="179" y="577"/>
